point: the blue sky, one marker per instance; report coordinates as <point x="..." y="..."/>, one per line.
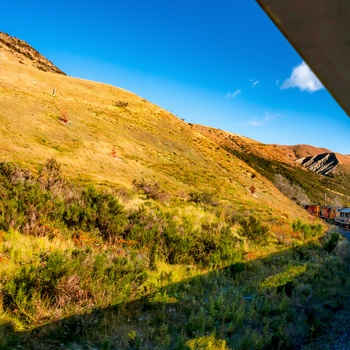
<point x="220" y="63"/>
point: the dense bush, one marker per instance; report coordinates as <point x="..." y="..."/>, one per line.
<point x="60" y="282"/>
<point x="96" y="210"/>
<point x="331" y="241"/>
<point x="32" y="282"/>
<point x="306" y="230"/>
<point x="49" y="204"/>
<point x="39" y="206"/>
<point x="50" y="174"/>
<point x="150" y="188"/>
<point x="24" y="204"/>
<point x="253" y="229"/>
<point x="202" y="197"/>
<point x="168" y="241"/>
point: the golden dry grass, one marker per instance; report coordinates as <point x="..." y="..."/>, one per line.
<point x="86" y="128"/>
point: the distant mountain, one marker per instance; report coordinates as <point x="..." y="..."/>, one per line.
<point x="321" y="164"/>
<point x="302" y="165"/>
<point x="301" y="151"/>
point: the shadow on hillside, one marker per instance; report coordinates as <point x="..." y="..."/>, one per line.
<point x="237" y="303"/>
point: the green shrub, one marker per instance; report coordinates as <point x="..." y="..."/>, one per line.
<point x="32" y="284"/>
<point x="121" y="104"/>
<point x="149" y="188"/>
<point x="50" y="174"/>
<point x="38" y="206"/>
<point x="253" y="229"/>
<point x="25" y="206"/>
<point x="202" y="197"/>
<point x="308" y="231"/>
<point x="103" y="211"/>
<point x="331" y="242"/>
<point x="207" y="343"/>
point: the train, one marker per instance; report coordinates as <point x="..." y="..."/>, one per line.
<point x="338" y="216"/>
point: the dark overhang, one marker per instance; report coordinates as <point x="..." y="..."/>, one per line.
<point x="319" y="30"/>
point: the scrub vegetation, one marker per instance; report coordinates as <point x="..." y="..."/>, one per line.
<point x="82" y="267"/>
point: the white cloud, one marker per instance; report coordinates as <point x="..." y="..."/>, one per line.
<point x="254" y="123"/>
<point x="254" y="82"/>
<point x="233" y="94"/>
<point x="303" y="78"/>
<point x="268" y="117"/>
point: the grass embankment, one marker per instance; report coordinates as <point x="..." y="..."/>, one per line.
<point x="82" y="268"/>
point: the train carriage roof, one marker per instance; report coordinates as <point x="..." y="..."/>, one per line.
<point x="320" y="33"/>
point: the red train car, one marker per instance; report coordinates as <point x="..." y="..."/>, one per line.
<point x="328" y="212"/>
<point x="313" y="209"/>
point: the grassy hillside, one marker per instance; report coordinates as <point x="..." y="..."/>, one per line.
<point x="108" y="136"/>
<point x="123" y="227"/>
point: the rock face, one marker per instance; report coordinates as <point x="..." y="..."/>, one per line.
<point x="321" y="164"/>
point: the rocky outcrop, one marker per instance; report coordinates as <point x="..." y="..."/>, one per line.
<point x="25" y="54"/>
<point x="321" y="164"/>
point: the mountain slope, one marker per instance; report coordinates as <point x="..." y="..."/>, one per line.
<point x="18" y="50"/>
<point x="272" y="160"/>
<point x="105" y="135"/>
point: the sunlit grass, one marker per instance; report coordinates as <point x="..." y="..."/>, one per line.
<point x="281" y="278"/>
<point x="109" y="145"/>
